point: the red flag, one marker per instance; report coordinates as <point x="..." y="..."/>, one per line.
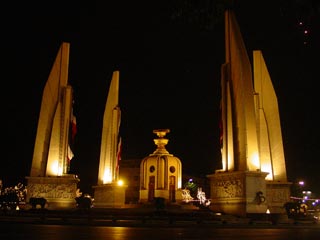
<point x="70" y="154"/>
<point x="73" y="127"/>
<point x="72" y="134"/>
<point x="119" y="152"/>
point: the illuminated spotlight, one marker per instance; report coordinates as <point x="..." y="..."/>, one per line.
<point x="305" y="32"/>
<point x="120" y="183"/>
<point x="306" y="192"/>
<point x="300" y="23"/>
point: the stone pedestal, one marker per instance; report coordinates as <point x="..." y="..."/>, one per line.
<point x="238" y="193"/>
<point x="109" y="196"/>
<point x="278" y="193"/>
<point x="60" y="192"/>
<point x="162" y="193"/>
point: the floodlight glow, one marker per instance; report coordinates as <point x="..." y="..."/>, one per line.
<point x="255" y="160"/>
<point x="107" y="176"/>
<point x="56" y="169"/>
<point x="267" y="168"/>
<point x="120" y="183"/>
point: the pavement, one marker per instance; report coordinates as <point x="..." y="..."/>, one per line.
<point x="148" y="216"/>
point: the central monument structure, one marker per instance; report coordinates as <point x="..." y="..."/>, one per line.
<point x="253" y="176"/>
<point x="161" y="173"/>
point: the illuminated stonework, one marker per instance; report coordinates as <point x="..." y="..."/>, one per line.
<point x="49" y="176"/>
<point x="251" y="141"/>
<point x="51" y="144"/>
<point x="230" y="186"/>
<point x="108" y="172"/>
<point x="108" y="193"/>
<point x="251" y="135"/>
<point x="60" y="192"/>
<point x="161" y="173"/>
<point x="237" y="192"/>
<point x="268" y="122"/>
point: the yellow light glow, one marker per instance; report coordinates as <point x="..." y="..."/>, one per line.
<point x="56" y="169"/>
<point x="267" y="168"/>
<point x="179" y="182"/>
<point x="224" y="165"/>
<point x="230" y="163"/>
<point x="107" y="177"/>
<point x="120" y="183"/>
<point x="255" y="161"/>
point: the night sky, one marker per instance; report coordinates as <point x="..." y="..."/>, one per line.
<point x="169" y="55"/>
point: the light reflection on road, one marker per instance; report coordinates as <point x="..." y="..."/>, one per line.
<point x="69" y="232"/>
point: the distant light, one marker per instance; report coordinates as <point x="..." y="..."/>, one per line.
<point x="301" y="183"/>
<point x="300" y="23"/>
<point x="306" y="192"/>
<point x="305" y="31"/>
<point x="268" y="211"/>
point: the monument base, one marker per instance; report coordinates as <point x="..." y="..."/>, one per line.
<point x="238" y="193"/>
<point x="278" y="193"/>
<point x="60" y="192"/>
<point x="109" y="196"/>
<point x="176" y="196"/>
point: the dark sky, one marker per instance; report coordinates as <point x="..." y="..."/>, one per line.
<point x="169" y="55"/>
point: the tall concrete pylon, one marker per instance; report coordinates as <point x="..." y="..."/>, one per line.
<point x="253" y="164"/>
<point x="108" y="193"/>
<point x="271" y="152"/>
<point x="50" y="149"/>
<point x="49" y="176"/>
<point x="108" y="164"/>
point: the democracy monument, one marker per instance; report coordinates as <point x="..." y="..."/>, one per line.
<point x="252" y="179"/>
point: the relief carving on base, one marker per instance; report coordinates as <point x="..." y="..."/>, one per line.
<point x="228" y="187"/>
<point x="277" y="195"/>
<point x="64" y="191"/>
